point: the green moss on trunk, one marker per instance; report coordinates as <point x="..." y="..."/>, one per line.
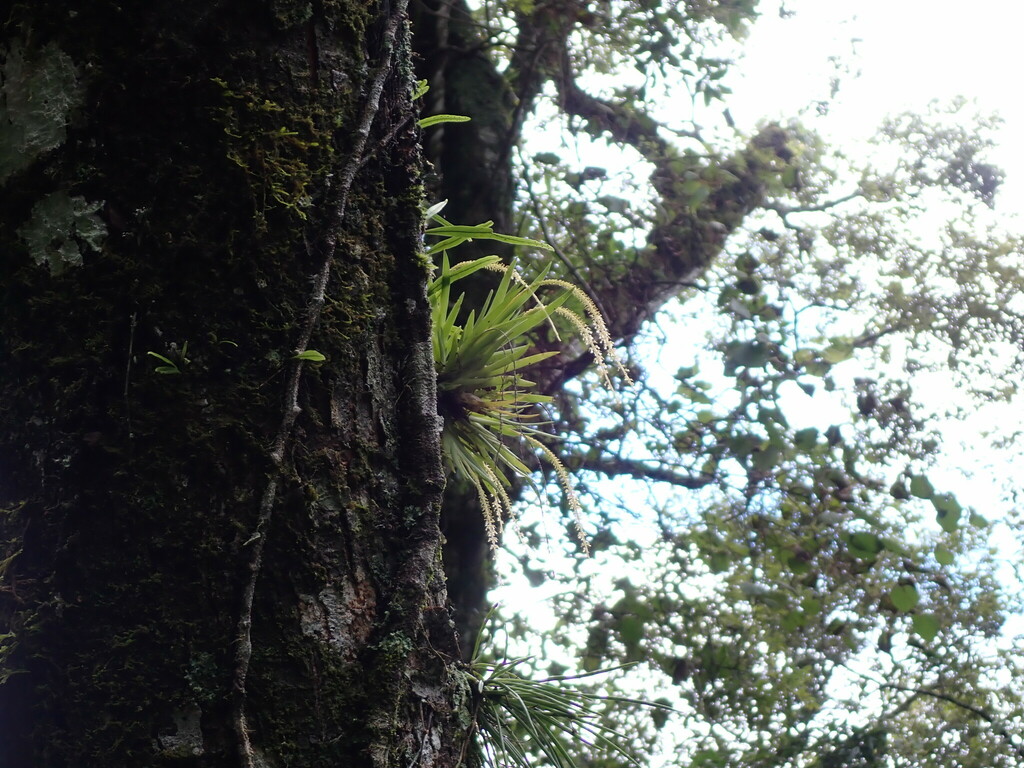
<point x="212" y="133"/>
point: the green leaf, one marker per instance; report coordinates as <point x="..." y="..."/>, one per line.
<point x="947" y="511"/>
<point x="942" y="555"/>
<point x="426" y="122"/>
<point x="435" y="209"/>
<point x="699" y="196"/>
<point x="312" y="355"/>
<point x="719" y="562"/>
<point x="767" y="458"/>
<point x="925" y="625"/>
<point x="904" y="597"/>
<point x="705" y="416"/>
<point x="746" y="262"/>
<point x="806" y="439"/>
<point x="837" y="352"/>
<point x="514" y="240"/>
<point x="457" y="234"/>
<point x="793" y="620"/>
<point x="746" y="354"/>
<point x="898" y="490"/>
<point x="748" y="285"/>
<point x="614" y="204"/>
<point x="659" y="715"/>
<point x="865" y="545"/>
<point x="170" y="369"/>
<point x="921" y="487"/>
<point x="631" y="630"/>
<point x="804" y="355"/>
<point x="744" y="444"/>
<point x="158" y="356"/>
<point x="811" y="605"/>
<point x="797" y="565"/>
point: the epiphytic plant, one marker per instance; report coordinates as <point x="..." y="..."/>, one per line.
<point x="482" y="355"/>
<point x="520" y="719"/>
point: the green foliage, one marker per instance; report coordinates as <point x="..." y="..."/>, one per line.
<point x="168" y="367"/>
<point x="421" y="90"/>
<point x="518" y="716"/>
<point x="520" y="719"/>
<point x="427" y="122"/>
<point x="481" y="355"/>
<point x="171" y="367"/>
<point x="779" y="545"/>
<point x="782" y="544"/>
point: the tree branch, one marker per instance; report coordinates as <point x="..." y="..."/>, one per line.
<point x="614" y="466"/>
<point x="691" y="231"/>
<point x="786" y="210"/>
<point x="978" y="712"/>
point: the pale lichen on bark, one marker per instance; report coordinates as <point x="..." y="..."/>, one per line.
<point x="40" y="90"/>
<point x="62" y="229"/>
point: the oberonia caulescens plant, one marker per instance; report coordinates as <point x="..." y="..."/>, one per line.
<point x="487" y="401"/>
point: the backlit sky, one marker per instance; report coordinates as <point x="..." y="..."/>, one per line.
<point x="908" y="52"/>
<point x="893" y="56"/>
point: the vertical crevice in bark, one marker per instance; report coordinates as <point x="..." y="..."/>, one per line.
<point x="471" y="161"/>
<point x="471" y="169"/>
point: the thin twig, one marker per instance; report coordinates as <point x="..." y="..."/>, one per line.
<point x="982" y="714"/>
<point x="786" y="210"/>
<point x="542" y="223"/>
<point x="243" y="652"/>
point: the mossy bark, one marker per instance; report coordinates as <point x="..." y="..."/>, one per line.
<point x="181" y="201"/>
<point x="470" y="167"/>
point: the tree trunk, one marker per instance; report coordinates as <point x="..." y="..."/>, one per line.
<point x="470" y="167"/>
<point x="217" y="554"/>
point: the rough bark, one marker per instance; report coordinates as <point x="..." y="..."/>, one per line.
<point x="238" y="562"/>
<point x="470" y="166"/>
<point x="471" y="162"/>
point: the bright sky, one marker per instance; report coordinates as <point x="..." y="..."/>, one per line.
<point x="908" y="52"/>
<point x="895" y="56"/>
<point x="905" y="53"/>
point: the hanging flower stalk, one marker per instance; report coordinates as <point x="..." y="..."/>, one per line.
<point x="487" y="402"/>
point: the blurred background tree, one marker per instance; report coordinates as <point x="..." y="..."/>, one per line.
<point x="792" y="571"/>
